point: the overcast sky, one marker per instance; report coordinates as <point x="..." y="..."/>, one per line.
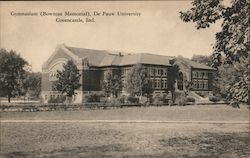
<point x="158" y="30"/>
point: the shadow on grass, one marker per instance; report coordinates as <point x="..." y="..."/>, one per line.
<point x="210" y="145"/>
<point x="84" y="151"/>
<point x="206" y="145"/>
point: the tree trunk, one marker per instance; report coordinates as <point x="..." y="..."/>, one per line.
<point x="9" y="96"/>
<point x="172" y="96"/>
<point x="248" y="80"/>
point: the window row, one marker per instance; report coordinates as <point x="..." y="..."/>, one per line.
<point x="53" y="96"/>
<point x="200" y="84"/>
<point x="151" y="71"/>
<point x="160" y="83"/>
<point x="56" y="96"/>
<point x="200" y="74"/>
<point x="158" y="71"/>
<point x="53" y="76"/>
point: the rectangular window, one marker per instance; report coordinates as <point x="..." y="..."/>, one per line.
<point x="158" y="72"/>
<point x="155" y="83"/>
<point x="195" y="84"/>
<point x="205" y="75"/>
<point x="165" y="72"/>
<point x="206" y="84"/>
<point x="200" y="74"/>
<point x="164" y="83"/>
<point x="194" y="74"/>
<point x="158" y="83"/>
<point x="152" y="71"/>
<point x="200" y="84"/>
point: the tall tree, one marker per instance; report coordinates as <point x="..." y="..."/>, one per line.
<point x="11" y="73"/>
<point x="112" y="84"/>
<point x="203" y="59"/>
<point x="233" y="40"/>
<point x="68" y="80"/>
<point x="32" y="84"/>
<point x="138" y="82"/>
<point x="231" y="81"/>
<point x="173" y="73"/>
<point x="147" y="87"/>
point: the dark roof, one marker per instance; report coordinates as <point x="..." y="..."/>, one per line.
<point x="106" y="58"/>
<point x="95" y="57"/>
<point x="101" y="58"/>
<point x="194" y="64"/>
<point x="145" y="58"/>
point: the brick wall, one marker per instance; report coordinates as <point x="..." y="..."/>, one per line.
<point x="46" y="84"/>
<point x="91" y="80"/>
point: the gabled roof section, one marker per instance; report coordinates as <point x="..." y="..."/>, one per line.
<point x="145" y="58"/>
<point x="61" y="48"/>
<point x="95" y="57"/>
<point x="108" y="60"/>
<point x="102" y="58"/>
<point x="194" y="64"/>
<point x="155" y="59"/>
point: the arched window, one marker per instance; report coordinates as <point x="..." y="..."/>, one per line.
<point x="180" y="81"/>
<point x="56" y="65"/>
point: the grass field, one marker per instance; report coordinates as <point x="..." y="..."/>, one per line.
<point x="176" y="113"/>
<point x="77" y="139"/>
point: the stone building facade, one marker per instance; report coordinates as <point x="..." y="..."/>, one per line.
<point x="93" y="64"/>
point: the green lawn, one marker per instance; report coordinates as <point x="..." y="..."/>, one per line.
<point x="34" y="140"/>
<point x="81" y="139"/>
<point x="176" y="113"/>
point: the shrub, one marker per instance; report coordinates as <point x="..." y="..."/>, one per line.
<point x="132" y="99"/>
<point x="202" y="94"/>
<point x="166" y="98"/>
<point x="214" y="99"/>
<point x="60" y="99"/>
<point x="170" y="103"/>
<point x="157" y="100"/>
<point x="122" y="99"/>
<point x="150" y="98"/>
<point x="160" y="99"/>
<point x="92" y="98"/>
<point x="178" y="95"/>
<point x="182" y="101"/>
<point x="190" y="99"/>
<point x="115" y="101"/>
<point x="235" y="104"/>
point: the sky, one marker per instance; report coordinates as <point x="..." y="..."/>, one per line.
<point x="158" y="30"/>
